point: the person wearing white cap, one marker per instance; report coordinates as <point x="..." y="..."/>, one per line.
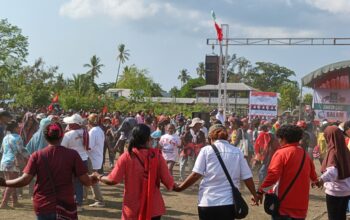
<point x="193" y="140"/>
<point x="77" y="138"/>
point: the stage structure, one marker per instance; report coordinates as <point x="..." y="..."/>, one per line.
<point x="331" y="91"/>
<point x="226" y="42"/>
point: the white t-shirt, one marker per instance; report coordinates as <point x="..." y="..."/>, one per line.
<point x="220" y="117"/>
<point x="74" y="140"/>
<point x="96" y="144"/>
<point x="214" y="189"/>
<point x="169" y="145"/>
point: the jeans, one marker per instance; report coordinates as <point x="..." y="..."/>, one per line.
<point x="51" y="216"/>
<point x="183" y="163"/>
<point x="262" y="173"/>
<point x="225" y="212"/>
<point x="78" y="187"/>
<point x="336" y="207"/>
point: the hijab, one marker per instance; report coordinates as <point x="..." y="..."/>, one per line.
<point x="337" y="153"/>
<point x="27" y="130"/>
<point x="38" y="141"/>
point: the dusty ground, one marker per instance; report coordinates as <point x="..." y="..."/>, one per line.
<point x="179" y="205"/>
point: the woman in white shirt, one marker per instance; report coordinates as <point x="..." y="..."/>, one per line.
<point x="336" y="174"/>
<point x="215" y="193"/>
<point x="169" y="144"/>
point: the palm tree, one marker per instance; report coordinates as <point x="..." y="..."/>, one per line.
<point x="81" y="83"/>
<point x="95" y="67"/>
<point x="201" y="70"/>
<point x="183" y="77"/>
<point x="122" y="57"/>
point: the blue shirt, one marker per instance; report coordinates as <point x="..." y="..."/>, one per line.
<point x="12" y="144"/>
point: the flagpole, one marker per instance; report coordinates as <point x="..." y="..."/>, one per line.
<point x="220" y="77"/>
<point x="225" y="69"/>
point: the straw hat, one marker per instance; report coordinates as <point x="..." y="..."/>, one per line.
<point x="196" y="121"/>
<point x="74" y="119"/>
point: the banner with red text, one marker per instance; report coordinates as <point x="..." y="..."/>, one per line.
<point x="263" y="105"/>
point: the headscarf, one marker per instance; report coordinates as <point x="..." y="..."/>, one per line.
<point x="38" y="141"/>
<point x="337" y="153"/>
<point x="28" y="131"/>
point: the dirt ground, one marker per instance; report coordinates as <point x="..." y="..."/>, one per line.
<point x="179" y="205"/>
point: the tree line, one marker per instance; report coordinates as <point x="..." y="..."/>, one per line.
<point x="36" y="84"/>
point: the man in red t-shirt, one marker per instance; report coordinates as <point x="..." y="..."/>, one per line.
<point x="283" y="167"/>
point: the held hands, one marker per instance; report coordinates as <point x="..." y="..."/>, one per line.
<point x="176" y="187"/>
<point x="257" y="199"/>
<point x="318" y="184"/>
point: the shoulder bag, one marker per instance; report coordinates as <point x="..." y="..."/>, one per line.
<point x="272" y="202"/>
<point x="241" y="208"/>
<point x="243" y="143"/>
<point x="62" y="211"/>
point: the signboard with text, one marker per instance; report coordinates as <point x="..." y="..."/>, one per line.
<point x="262" y="105"/>
<point x="331" y="104"/>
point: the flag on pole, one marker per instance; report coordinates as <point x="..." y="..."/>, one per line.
<point x="217" y="27"/>
<point x="55" y="99"/>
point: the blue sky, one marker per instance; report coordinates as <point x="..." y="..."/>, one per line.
<point x="165" y="36"/>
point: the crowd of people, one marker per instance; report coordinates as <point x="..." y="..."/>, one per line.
<point x="63" y="156"/>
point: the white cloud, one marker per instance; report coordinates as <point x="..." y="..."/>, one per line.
<point x="332" y="6"/>
<point x="186" y="19"/>
<point x="118" y="9"/>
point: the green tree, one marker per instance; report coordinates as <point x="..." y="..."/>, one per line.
<point x="308" y="98"/>
<point x="94" y="67"/>
<point x="238" y="67"/>
<point x="174" y="92"/>
<point x="145" y="85"/>
<point x="187" y="91"/>
<point x="123" y="55"/>
<point x="13" y="46"/>
<point x="184" y="76"/>
<point x="201" y="70"/>
<point x="81" y="84"/>
<point x="268" y="76"/>
<point x="289" y="95"/>
<point x="32" y="85"/>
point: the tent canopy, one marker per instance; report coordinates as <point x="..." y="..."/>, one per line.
<point x="326" y="73"/>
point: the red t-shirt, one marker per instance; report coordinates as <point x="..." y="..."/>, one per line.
<point x="63" y="163"/>
<point x="284" y="165"/>
<point x="130" y="170"/>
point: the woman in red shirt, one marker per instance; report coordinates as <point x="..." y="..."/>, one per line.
<point x="141" y="169"/>
<point x="53" y="167"/>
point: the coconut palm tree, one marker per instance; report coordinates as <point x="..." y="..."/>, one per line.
<point x="122" y="57"/>
<point x="201" y="70"/>
<point x="95" y="67"/>
<point x="184" y="76"/>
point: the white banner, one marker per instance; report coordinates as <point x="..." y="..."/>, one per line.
<point x="331" y="104"/>
<point x="262" y="105"/>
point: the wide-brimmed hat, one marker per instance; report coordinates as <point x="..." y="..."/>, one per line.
<point x="196" y="121"/>
<point x="74" y="119"/>
<point x="107" y="119"/>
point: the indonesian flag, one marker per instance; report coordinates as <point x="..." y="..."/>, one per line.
<point x="217" y="27"/>
<point x="55" y="99"/>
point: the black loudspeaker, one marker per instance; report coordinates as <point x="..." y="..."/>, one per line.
<point x="212" y="69"/>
